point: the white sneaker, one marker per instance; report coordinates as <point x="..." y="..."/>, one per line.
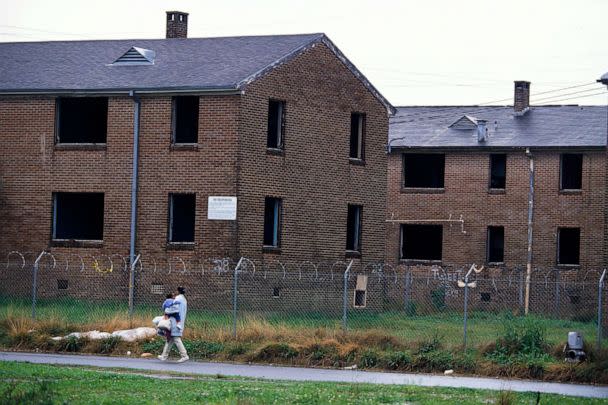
<point x="183" y="359"/>
<point x="161" y="358"/>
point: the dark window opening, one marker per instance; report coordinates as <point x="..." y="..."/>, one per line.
<point x="82" y="119"/>
<point x="357" y="136"/>
<point x="78" y="216"/>
<point x="182" y="215"/>
<point x="62" y="284"/>
<point x="571" y="172"/>
<point x="498" y="171"/>
<point x="272" y="221"/>
<point x="568" y="245"/>
<point x="353" y="228"/>
<point x="276" y="292"/>
<point x="185" y="119"/>
<point x="423" y="170"/>
<point x="276" y="124"/>
<point x="485" y="297"/>
<point x="574" y="299"/>
<point x="421" y="242"/>
<point x="360" y="299"/>
<point x="496" y="244"/>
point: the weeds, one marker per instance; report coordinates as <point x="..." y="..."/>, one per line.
<point x="39" y="393"/>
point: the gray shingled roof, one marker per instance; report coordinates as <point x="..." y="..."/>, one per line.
<point x="227" y="63"/>
<point x="546" y="126"/>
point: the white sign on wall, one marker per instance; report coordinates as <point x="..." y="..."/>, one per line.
<point x="222" y="208"/>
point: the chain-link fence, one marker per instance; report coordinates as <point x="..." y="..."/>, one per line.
<point x="458" y="306"/>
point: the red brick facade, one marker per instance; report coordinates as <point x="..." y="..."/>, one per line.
<point x="466" y="193"/>
<point x="313" y="175"/>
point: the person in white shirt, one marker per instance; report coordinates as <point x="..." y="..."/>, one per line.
<point x="177" y="330"/>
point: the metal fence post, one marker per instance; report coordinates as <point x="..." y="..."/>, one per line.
<point x="35" y="283"/>
<point x="235" y="296"/>
<point x="600" y="310"/>
<point x="521" y="290"/>
<point x="466" y="302"/>
<point x="132" y="287"/>
<point x="345" y="297"/>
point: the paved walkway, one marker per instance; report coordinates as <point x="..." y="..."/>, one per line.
<point x="311" y="374"/>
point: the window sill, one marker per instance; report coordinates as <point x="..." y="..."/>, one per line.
<point x="77" y="243"/>
<point x="275" y="151"/>
<point x="497" y="191"/>
<point x="180" y="245"/>
<point x="571" y="192"/>
<point x="422" y="190"/>
<point x="185" y="146"/>
<point x="356" y="162"/>
<point x="271" y="249"/>
<point x="354" y="254"/>
<point x="80" y="146"/>
<point x="420" y="261"/>
<point x="568" y="266"/>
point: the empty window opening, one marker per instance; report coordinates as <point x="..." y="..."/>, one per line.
<point x="276" y="124"/>
<point x="421" y="242"/>
<point x="185" y="119"/>
<point x="357" y="136"/>
<point x="182" y="215"/>
<point x="360" y="297"/>
<point x="353" y="228"/>
<point x="496" y="244"/>
<point x="81" y="119"/>
<point x="568" y="245"/>
<point x="78" y="216"/>
<point x="485" y="297"/>
<point x="498" y="170"/>
<point x="571" y="172"/>
<point x="276" y="292"/>
<point x="156" y="288"/>
<point x="272" y="222"/>
<point x="62" y="284"/>
<point x="423" y="170"/>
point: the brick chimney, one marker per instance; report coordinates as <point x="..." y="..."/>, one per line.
<point x="521" y="101"/>
<point x="177" y="24"/>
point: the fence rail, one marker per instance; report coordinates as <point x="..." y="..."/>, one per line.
<point x="411" y="302"/>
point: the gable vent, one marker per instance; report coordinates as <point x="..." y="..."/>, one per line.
<point x="136" y="56"/>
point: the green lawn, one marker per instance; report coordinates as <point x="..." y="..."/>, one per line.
<point x="483" y="327"/>
<point x="46" y="384"/>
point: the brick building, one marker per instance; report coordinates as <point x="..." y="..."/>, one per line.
<point x="286" y="124"/>
<point x="459" y="185"/>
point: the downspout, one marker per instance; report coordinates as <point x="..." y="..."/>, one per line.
<point x="530" y="226"/>
<point x="134" y="179"/>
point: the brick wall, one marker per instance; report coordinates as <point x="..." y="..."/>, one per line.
<point x="313" y="176"/>
<point x="466" y="193"/>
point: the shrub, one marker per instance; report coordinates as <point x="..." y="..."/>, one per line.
<point x="153" y="345"/>
<point x="276" y="351"/>
<point x="237" y="349"/>
<point x="427" y="346"/>
<point x="108" y="344"/>
<point x="71" y="344"/>
<point x="368" y="359"/>
<point x="398" y="360"/>
<point x="202" y="348"/>
<point x="439" y="360"/>
<point x="522" y="338"/>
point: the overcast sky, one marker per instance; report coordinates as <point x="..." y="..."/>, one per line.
<point x="426" y="52"/>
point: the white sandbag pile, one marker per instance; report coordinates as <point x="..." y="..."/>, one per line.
<point x="128" y="335"/>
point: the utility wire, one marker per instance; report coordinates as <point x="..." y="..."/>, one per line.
<point x="571" y="98"/>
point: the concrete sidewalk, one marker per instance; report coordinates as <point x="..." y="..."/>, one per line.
<point x="311" y="374"/>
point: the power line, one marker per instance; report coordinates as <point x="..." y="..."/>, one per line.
<point x="571" y="98"/>
<point x="568" y="94"/>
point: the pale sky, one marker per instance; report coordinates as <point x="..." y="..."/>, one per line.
<point x="426" y="52"/>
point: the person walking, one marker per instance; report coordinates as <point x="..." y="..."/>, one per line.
<point x="177" y="330"/>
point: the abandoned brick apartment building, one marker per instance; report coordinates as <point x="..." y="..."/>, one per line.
<point x="262" y="146"/>
<point x="459" y="185"/>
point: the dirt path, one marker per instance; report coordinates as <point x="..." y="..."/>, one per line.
<point x="311" y="374"/>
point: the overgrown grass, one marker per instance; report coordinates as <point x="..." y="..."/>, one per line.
<point x="501" y="344"/>
<point x="48" y="384"/>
